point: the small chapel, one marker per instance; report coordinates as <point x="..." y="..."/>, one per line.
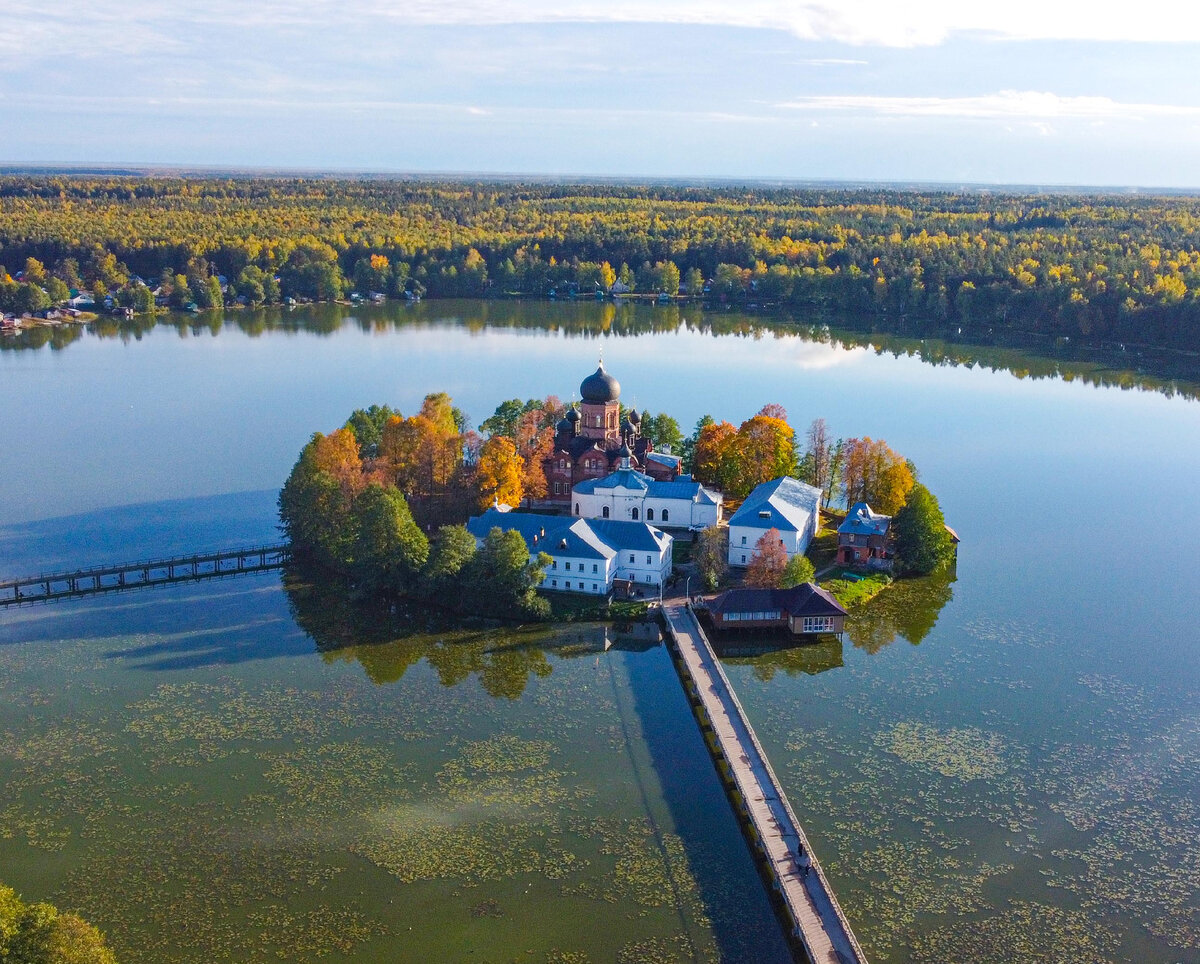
<point x="592" y="440"/>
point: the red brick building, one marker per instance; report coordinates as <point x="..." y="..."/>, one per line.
<point x="591" y="441"/>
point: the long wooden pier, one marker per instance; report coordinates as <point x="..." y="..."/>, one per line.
<point x="134" y="575"/>
<point x="818" y="926"/>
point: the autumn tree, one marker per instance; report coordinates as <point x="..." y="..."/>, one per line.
<point x="768" y="562"/>
<point x="711" y="556"/>
<point x="316" y="501"/>
<point x="766" y="449"/>
<point x="499" y="473"/>
<point x="875" y="474"/>
<point x="533" y="441"/>
<point x="714" y="456"/>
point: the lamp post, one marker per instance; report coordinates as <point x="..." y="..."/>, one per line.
<point x="687" y="596"/>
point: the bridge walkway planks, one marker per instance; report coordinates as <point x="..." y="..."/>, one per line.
<point x="159" y="572"/>
<point x="818" y="922"/>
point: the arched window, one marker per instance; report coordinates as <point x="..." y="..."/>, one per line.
<point x="649" y="515"/>
<point x="665" y="516"/>
<point x="635" y="514"/>
<point x="577" y="508"/>
<point x="605" y="512"/>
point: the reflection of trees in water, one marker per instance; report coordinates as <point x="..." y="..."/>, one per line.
<point x="782" y="654"/>
<point x="909" y="608"/>
<point x="386" y="643"/>
<point x="1022" y="355"/>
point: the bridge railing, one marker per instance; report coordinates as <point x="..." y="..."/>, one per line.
<point x="805" y="846"/>
<point x="150" y="572"/>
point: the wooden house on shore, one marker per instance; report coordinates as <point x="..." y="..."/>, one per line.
<point x="802" y="610"/>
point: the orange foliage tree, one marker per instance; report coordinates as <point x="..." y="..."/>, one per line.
<point x="766" y="447"/>
<point x="768" y="562"/>
<point x="499" y="473"/>
<point x="712" y="461"/>
<point x="876" y="474"/>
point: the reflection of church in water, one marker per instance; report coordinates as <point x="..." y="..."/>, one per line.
<point x="592" y="440"/>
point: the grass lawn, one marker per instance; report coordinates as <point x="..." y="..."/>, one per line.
<point x="854" y="593"/>
<point x="572" y="608"/>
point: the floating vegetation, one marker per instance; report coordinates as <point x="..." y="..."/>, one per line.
<point x="965" y="753"/>
<point x="414" y="849"/>
<point x="1025" y="931"/>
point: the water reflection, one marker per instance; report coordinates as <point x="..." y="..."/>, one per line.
<point x="1022" y="355"/>
<point x="387" y="643"/>
<point x="783" y="654"/>
<point x="908" y="609"/>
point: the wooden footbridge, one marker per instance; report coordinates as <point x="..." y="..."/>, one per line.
<point x="135" y="575"/>
<point x="786" y="858"/>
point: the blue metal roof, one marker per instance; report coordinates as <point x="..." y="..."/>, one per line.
<point x="861" y="520"/>
<point x="684" y="487"/>
<point x="637" y="536"/>
<point x="785" y="504"/>
<point x="555" y="535"/>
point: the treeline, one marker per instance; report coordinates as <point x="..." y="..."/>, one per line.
<point x="1119" y="268"/>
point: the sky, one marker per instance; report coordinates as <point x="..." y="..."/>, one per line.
<point x="1031" y="92"/>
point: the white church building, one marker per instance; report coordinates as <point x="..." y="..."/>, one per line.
<point x="631" y="496"/>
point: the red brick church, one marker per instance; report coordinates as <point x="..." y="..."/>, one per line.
<point x="591" y="441"/>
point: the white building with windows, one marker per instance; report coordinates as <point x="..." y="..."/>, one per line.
<point x="791" y="507"/>
<point x="632" y="496"/>
<point x="588" y="556"/>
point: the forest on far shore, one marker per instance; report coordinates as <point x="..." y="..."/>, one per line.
<point x="1118" y="268"/>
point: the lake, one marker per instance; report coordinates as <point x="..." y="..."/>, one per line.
<point x="1004" y="757"/>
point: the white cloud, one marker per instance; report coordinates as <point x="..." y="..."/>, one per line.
<point x="1008" y="104"/>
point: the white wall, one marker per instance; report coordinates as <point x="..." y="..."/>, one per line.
<point x="558" y="575"/>
<point x="794" y="543"/>
<point x="653" y="572"/>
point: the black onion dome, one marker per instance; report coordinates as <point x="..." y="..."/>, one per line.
<point x="573" y="414"/>
<point x="626" y="452"/>
<point x="634" y="417"/>
<point x="626" y="425"/>
<point x="600" y="387"/>
<point x="564" y="425"/>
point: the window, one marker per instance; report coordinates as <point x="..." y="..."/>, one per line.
<point x="595" y="568"/>
<point x="818" y="624"/>
<point x="577" y="508"/>
<point x="631" y="559"/>
<point x="664" y="515"/>
<point x="743" y="557"/>
<point x="648" y="561"/>
<point x="554" y="582"/>
<point x="553" y="563"/>
<point x="567" y="566"/>
<point x="568" y="584"/>
<point x="649" y="515"/>
<point x="562" y="463"/>
<point x="635" y="514"/>
<point x="594" y="587"/>
<point x="605" y="511"/>
<point x="743" y="543"/>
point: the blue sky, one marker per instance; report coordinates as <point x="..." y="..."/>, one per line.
<point x="1016" y="92"/>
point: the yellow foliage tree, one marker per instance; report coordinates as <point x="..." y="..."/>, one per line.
<point x="875" y="474"/>
<point x="499" y="473"/>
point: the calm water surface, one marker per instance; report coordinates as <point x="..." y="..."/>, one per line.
<point x="1009" y="758"/>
